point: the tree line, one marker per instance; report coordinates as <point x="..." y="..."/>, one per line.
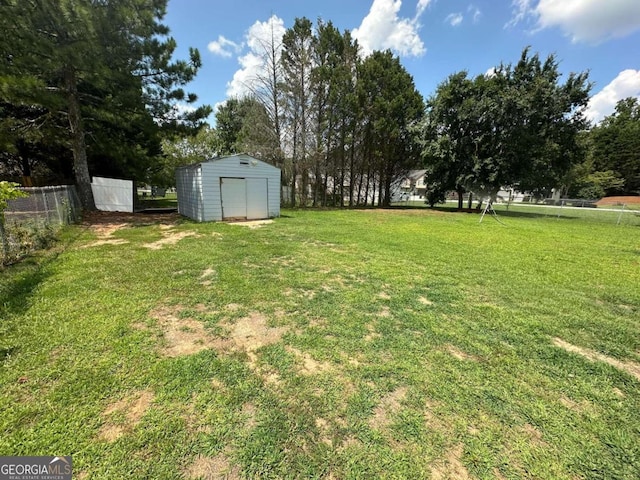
<point x="91" y="87"/>
<point x="336" y="124"/>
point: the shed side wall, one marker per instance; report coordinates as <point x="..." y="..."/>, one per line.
<point x="189" y="192"/>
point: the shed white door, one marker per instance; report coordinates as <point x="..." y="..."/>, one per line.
<point x="257" y="196"/>
<point x="233" y="193"/>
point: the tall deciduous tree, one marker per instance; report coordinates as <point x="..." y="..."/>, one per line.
<point x="515" y="128"/>
<point x="616" y="147"/>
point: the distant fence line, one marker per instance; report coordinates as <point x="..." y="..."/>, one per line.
<point x="30" y="221"/>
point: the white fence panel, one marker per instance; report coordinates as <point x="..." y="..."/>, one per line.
<point x="112" y="195"/>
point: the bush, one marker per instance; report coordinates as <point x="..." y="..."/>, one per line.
<point x="24" y="238"/>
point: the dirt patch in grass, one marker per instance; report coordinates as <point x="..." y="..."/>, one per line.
<point x="207" y="273"/>
<point x="106" y="241"/>
<point x="207" y="277"/>
<point x="169" y="237"/>
<point x="182" y="336"/>
<point x="390" y="403"/>
<point x="459" y="354"/>
<point x="250" y="413"/>
<point x="534" y="435"/>
<point x="384" y="296"/>
<point x="252" y="224"/>
<point x="579" y="407"/>
<point x="424" y="301"/>
<point x="104" y="228"/>
<point x="309" y="366"/>
<point x="434" y="422"/>
<point x="632" y="368"/>
<point x="250" y="334"/>
<point x="133" y="408"/>
<point x="372" y="335"/>
<point x="107" y="229"/>
<point x="323" y="427"/>
<point x="212" y="468"/>
<point x="105" y="221"/>
<point x="451" y="466"/>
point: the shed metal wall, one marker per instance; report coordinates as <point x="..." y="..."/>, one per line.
<point x="189" y="192"/>
<point x="198" y="186"/>
<point x="237" y="166"/>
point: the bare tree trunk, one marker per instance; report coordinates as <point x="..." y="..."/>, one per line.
<point x="78" y="146"/>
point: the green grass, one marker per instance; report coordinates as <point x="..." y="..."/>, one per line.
<point x="404" y="344"/>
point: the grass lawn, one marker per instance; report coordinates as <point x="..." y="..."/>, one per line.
<point x="328" y="344"/>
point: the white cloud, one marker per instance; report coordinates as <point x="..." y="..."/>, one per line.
<point x="590" y="21"/>
<point x="475" y="13"/>
<point x="224" y="47"/>
<point x="491" y="72"/>
<point x="454" y="19"/>
<point x="421" y="7"/>
<point x="254" y="63"/>
<point x="603" y="103"/>
<point x="383" y="29"/>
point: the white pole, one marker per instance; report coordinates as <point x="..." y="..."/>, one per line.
<point x="621" y="211"/>
<point x="561" y="205"/>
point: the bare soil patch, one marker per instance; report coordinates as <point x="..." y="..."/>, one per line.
<point x="534" y="435"/>
<point x="106" y="220"/>
<point x="390" y="403"/>
<point x="459" y="354"/>
<point x="612" y="201"/>
<point x="324" y="428"/>
<point x="432" y="421"/>
<point x="252" y="224"/>
<point x="169" y="237"/>
<point x="424" y="301"/>
<point x="250" y="412"/>
<point x="373" y="334"/>
<point x="133" y="407"/>
<point x="106" y="241"/>
<point x="212" y="468"/>
<point x="632" y="368"/>
<point x="451" y="467"/>
<point x="309" y="366"/>
<point x="251" y="333"/>
<point x="182" y="336"/>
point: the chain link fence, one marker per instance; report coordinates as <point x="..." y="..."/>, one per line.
<point x="31" y="222"/>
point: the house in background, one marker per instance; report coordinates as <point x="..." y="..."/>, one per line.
<point x="234" y="187"/>
<point x="412" y="186"/>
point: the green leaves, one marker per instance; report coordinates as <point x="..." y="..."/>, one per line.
<point x="104" y="68"/>
<point x="516" y="127"/>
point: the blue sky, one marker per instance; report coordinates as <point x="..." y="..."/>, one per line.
<point x="434" y="38"/>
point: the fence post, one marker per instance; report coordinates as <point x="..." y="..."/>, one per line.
<point x="3" y="239"/>
<point x="621" y="212"/>
<point x="560" y="211"/>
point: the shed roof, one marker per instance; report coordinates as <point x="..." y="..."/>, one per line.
<point x="226" y="157"/>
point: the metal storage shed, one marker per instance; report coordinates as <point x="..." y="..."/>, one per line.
<point x="235" y="187"/>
